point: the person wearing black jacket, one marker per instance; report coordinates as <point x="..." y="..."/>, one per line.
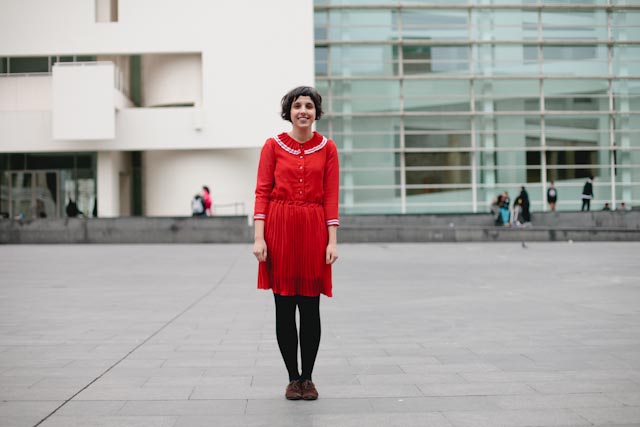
<point x="526" y="213"/>
<point x="552" y="197"/>
<point x="587" y="194"/>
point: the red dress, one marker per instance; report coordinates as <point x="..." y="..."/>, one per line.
<point x="297" y="197"/>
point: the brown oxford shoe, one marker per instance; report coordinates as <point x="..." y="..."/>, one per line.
<point x="294" y="391"/>
<point x="309" y="391"/>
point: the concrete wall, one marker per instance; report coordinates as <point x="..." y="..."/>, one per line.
<point x="127" y="230"/>
<point x="595" y="226"/>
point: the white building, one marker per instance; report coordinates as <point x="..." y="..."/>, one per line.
<point x="133" y="105"/>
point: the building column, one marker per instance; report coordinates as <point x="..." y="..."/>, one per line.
<point x="113" y="175"/>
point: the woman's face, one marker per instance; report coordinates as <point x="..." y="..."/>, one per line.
<point x="303" y="112"/>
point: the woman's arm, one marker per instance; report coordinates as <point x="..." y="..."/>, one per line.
<point x="332" y="246"/>
<point x="259" y="245"/>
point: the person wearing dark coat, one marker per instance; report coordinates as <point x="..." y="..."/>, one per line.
<point x="552" y="197"/>
<point x="526" y="213"/>
<point x="587" y="194"/>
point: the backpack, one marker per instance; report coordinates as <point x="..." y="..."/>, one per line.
<point x="197" y="205"/>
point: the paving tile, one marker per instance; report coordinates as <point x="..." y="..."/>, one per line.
<point x="524" y="418"/>
<point x="27" y="408"/>
<point x="381" y="420"/>
<point x="475" y="389"/>
<point x="109" y="421"/>
<point x="184" y="407"/>
<point x="246" y="421"/>
<point x="135" y="393"/>
<point x="613" y="415"/>
<point x="295" y="408"/>
<point x="76" y="408"/>
<point x="562" y="387"/>
<point x="432" y="404"/>
<point x="583" y="400"/>
<point x="630" y="399"/>
<point x="366" y="379"/>
<point x="18" y="421"/>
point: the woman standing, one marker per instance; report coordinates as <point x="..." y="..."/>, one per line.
<point x="296" y="220"/>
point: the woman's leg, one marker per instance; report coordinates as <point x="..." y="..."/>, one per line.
<point x="287" y="333"/>
<point x="309" y="333"/>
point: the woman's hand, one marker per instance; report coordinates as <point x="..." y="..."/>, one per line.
<point x="332" y="253"/>
<point x="260" y="250"/>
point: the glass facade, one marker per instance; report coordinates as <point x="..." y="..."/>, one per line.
<point x="43" y="185"/>
<point x="439" y="106"/>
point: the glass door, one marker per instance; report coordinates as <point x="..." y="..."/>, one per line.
<point x="34" y="194"/>
<point x="45" y="194"/>
<point x="21" y="195"/>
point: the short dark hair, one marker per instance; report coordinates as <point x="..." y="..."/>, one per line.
<point x="296" y="93"/>
<point x="204" y="187"/>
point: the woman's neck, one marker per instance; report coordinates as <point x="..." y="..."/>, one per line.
<point x="301" y="135"/>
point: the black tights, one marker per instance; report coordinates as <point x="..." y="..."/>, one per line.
<point x="287" y="333"/>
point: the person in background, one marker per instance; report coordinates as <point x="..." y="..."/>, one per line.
<point x="72" y="209"/>
<point x="606" y="207"/>
<point x="495" y="209"/>
<point x="208" y="201"/>
<point x="517" y="213"/>
<point x="505" y="213"/>
<point x="623" y="206"/>
<point x="552" y="196"/>
<point x="587" y="194"/>
<point x="197" y="206"/>
<point x="526" y="212"/>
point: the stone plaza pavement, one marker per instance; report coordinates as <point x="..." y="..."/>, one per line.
<point x="479" y="334"/>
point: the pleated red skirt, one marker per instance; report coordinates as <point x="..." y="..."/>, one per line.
<point x="297" y="237"/>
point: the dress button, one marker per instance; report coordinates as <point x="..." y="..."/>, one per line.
<point x="301" y="192"/>
<point x="301" y="157"/>
<point x="300" y="179"/>
<point x="300" y="167"/>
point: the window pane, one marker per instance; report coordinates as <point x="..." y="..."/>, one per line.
<point x="436" y="88"/>
<point x="363" y="60"/>
<point x="362" y="88"/>
<point x="384" y="142"/>
<point x="439" y="123"/>
<point x="320" y="25"/>
<point x="488" y="88"/>
<point x="436" y="141"/>
<point x="574" y="87"/>
<point x="350" y="159"/>
<point x="575" y="60"/>
<point x="362" y="25"/>
<point x="365" y="125"/>
<point x="431" y="172"/>
<point x="365" y="105"/>
<point x="563" y="24"/>
<point x="505" y="24"/>
<point x="506" y="59"/>
<point x="425" y="59"/>
<point x="578" y="122"/>
<point x="29" y="65"/>
<point x="434" y="24"/>
<point x="583" y="103"/>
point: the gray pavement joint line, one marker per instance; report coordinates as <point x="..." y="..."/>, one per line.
<point x="189" y="307"/>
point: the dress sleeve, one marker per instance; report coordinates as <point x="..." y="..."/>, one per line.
<point x="265" y="181"/>
<point x="331" y="185"/>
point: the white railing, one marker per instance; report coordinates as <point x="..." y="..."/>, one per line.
<point x="235" y="208"/>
